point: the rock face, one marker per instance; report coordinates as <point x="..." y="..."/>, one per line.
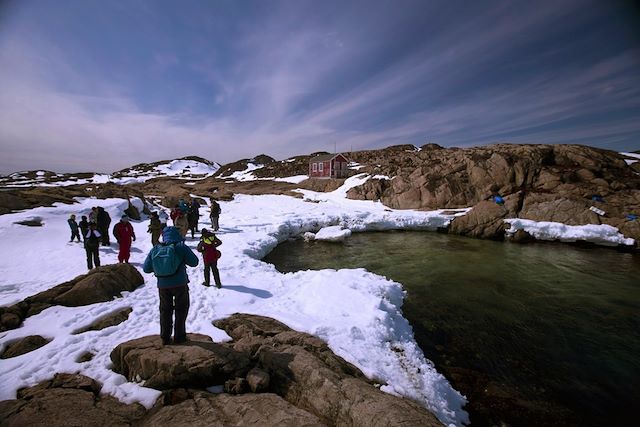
<point x="98" y="285"/>
<point x="23" y="346"/>
<point x="303" y="382"/>
<point x="67" y="399"/>
<point x="544" y="182"/>
<point x="198" y="363"/>
<point x="111" y="319"/>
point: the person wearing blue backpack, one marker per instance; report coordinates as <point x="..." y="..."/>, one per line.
<point x="168" y="261"/>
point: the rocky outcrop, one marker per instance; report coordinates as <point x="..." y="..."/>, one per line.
<point x="110" y="319"/>
<point x="68" y="399"/>
<point x="98" y="285"/>
<point x="23" y="346"/>
<point x="198" y="363"/>
<point x="273" y="376"/>
<point x="547" y="182"/>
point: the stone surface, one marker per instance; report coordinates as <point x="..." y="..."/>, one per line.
<point x="197" y="363"/>
<point x="67" y="400"/>
<point x="23" y="346"/>
<point x="208" y="410"/>
<point x="98" y="285"/>
<point x="258" y="380"/>
<point x="110" y="319"/>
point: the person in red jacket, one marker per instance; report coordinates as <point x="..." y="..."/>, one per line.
<point x="207" y="246"/>
<point x="123" y="232"/>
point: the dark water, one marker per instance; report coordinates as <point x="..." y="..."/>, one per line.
<point x="537" y="334"/>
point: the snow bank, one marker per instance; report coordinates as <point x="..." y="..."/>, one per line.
<point x="600" y="234"/>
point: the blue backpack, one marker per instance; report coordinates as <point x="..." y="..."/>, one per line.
<point x="165" y="260"/>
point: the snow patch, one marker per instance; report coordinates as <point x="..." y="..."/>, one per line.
<point x="601" y="234"/>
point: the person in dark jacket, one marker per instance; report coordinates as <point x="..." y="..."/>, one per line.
<point x="124" y="233"/>
<point x="215" y="214"/>
<point x="92" y="246"/>
<point x="103" y="221"/>
<point x="192" y="219"/>
<point x="74" y="228"/>
<point x="155" y="228"/>
<point x="84" y="226"/>
<point x="207" y="246"/>
<point x="173" y="290"/>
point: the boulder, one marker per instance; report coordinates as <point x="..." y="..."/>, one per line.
<point x="258" y="380"/>
<point x="110" y="319"/>
<point x="68" y="399"/>
<point x="197" y="363"/>
<point x="485" y="220"/>
<point x="208" y="410"/>
<point x="23" y="346"/>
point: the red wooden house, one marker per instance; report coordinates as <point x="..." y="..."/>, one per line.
<point x="328" y="166"/>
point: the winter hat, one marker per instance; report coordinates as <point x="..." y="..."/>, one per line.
<point x="84" y="218"/>
<point x="171" y="235"/>
<point x="72" y="216"/>
<point x="124" y="218"/>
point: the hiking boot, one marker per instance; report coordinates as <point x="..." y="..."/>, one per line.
<point x="205" y="284"/>
<point x="166" y="341"/>
<point x="179" y="340"/>
<point x="218" y="285"/>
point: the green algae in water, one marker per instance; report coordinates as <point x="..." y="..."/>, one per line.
<point x="547" y="322"/>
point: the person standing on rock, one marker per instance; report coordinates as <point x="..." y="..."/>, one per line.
<point x="84" y="226"/>
<point x="124" y="233"/>
<point x="210" y="255"/>
<point x="215" y="214"/>
<point x="74" y="228"/>
<point x="92" y="246"/>
<point x="155" y="228"/>
<point x="103" y="222"/>
<point x="168" y="262"/>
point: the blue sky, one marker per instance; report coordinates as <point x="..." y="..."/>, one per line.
<point x="101" y="85"/>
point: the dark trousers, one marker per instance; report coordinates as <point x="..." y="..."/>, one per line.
<point x="173" y="300"/>
<point x="216" y="274"/>
<point x="104" y="230"/>
<point x="93" y="256"/>
<point x="214" y="223"/>
<point x="75" y="234"/>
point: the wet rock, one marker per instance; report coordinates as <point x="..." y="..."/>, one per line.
<point x="197" y="363"/>
<point x="111" y="319"/>
<point x="521" y="236"/>
<point x="220" y="410"/>
<point x="67" y="399"/>
<point x="23" y="346"/>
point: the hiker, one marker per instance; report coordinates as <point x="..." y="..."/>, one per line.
<point x="92" y="245"/>
<point x="155" y="228"/>
<point x="207" y="246"/>
<point x="103" y="222"/>
<point x="123" y="232"/>
<point x="175" y="213"/>
<point x="93" y="215"/>
<point x="84" y="226"/>
<point x="74" y="227"/>
<point x="168" y="262"/>
<point x="182" y="205"/>
<point x="195" y="206"/>
<point x="192" y="219"/>
<point x="215" y="214"/>
<point x="180" y="221"/>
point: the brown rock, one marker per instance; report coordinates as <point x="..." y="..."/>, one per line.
<point x="67" y="400"/>
<point x="110" y="319"/>
<point x="485" y="220"/>
<point x="258" y="380"/>
<point x="10" y="321"/>
<point x="197" y="363"/>
<point x="521" y="236"/>
<point x="23" y="346"/>
<point x="208" y="410"/>
<point x="236" y="386"/>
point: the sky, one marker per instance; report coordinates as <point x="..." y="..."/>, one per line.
<point x="93" y="85"/>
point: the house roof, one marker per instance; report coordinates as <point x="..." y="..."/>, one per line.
<point x="326" y="157"/>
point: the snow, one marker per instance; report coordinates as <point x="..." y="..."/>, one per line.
<point x="246" y="174"/>
<point x="358" y="313"/>
<point x="601" y="234"/>
<point x="334" y="233"/>
<point x="293" y="179"/>
<point x="633" y="156"/>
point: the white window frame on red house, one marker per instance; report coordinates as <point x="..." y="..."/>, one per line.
<point x="315" y="167"/>
<point x="320" y="166"/>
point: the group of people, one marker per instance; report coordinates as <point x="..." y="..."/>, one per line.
<point x="167" y="259"/>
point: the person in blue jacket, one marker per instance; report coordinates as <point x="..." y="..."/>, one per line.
<point x="173" y="288"/>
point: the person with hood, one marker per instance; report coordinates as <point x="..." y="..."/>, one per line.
<point x="124" y="233"/>
<point x="168" y="261"/>
<point x="84" y="226"/>
<point x="215" y="214"/>
<point x="192" y="219"/>
<point x="183" y="206"/>
<point x="207" y="246"/>
<point x="92" y="246"/>
<point x="155" y="228"/>
<point x="103" y="222"/>
<point x="74" y="228"/>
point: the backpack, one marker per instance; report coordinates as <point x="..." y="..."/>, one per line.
<point x="215" y="209"/>
<point x="165" y="260"/>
